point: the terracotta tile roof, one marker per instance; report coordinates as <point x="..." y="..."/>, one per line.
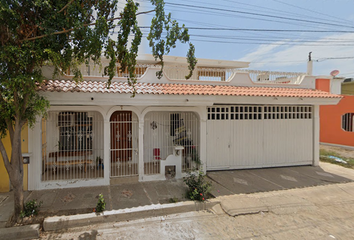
<point x="180" y="89"/>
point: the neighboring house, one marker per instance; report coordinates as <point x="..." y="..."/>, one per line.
<point x="337" y="122"/>
<point x="225" y="117"/>
<point x="4" y="177"/>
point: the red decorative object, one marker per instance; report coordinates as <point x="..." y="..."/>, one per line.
<point x="157" y="154"/>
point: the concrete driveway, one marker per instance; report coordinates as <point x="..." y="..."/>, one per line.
<point x="270" y="179"/>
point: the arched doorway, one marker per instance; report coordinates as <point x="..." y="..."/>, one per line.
<point x="124" y="144"/>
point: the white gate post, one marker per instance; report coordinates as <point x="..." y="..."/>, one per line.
<point x="35" y="147"/>
<point x="141" y="148"/>
<point x="316" y="135"/>
<point x="106" y="147"/>
<point x="203" y="138"/>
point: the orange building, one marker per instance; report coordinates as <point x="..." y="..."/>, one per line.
<point x="336" y="121"/>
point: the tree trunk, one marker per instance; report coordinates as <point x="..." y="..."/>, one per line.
<point x="16" y="173"/>
<point x="18" y="200"/>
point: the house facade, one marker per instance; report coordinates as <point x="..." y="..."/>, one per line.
<point x="224" y="117"/>
<point x="337" y="121"/>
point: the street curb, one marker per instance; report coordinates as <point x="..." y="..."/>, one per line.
<point x="65" y="222"/>
<point x="21" y="232"/>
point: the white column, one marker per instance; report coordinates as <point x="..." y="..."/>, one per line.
<point x="316" y="135"/>
<point x="141" y="148"/>
<point x="203" y="139"/>
<point x="106" y="153"/>
<point x="309" y="68"/>
<point x="35" y="149"/>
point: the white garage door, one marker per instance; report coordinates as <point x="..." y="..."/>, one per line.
<point x="251" y="136"/>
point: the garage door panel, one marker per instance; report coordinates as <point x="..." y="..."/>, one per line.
<point x="247" y="144"/>
<point x="287" y="142"/>
<point x="218" y="144"/>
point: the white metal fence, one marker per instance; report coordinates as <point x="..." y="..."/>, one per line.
<point x="97" y="71"/>
<point x="163" y="131"/>
<point x="72" y="146"/>
<point x="202" y="74"/>
<point x="124" y="133"/>
<point x="272" y="77"/>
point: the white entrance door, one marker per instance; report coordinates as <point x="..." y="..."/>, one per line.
<point x="218" y="144"/>
<point x="251" y="136"/>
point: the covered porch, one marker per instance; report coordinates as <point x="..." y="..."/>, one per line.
<point x="87" y="147"/>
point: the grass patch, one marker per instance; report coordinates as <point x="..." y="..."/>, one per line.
<point x="335" y="158"/>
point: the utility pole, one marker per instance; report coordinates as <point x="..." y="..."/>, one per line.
<point x="309" y="65"/>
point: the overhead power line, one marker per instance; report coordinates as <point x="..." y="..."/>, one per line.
<point x="257" y="14"/>
<point x="313" y="11"/>
<point x="265" y="30"/>
<point x="333" y="58"/>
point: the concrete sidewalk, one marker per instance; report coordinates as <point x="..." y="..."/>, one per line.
<point x="131" y="195"/>
<point x="71" y="201"/>
<point x="322" y="212"/>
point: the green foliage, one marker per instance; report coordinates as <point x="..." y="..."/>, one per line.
<point x="198" y="187"/>
<point x="31" y="208"/>
<point x="66" y="34"/>
<point x="101" y="204"/>
<point x="162" y="23"/>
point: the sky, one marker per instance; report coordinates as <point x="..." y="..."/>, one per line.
<point x="274" y="35"/>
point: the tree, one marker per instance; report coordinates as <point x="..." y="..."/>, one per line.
<point x="65" y="34"/>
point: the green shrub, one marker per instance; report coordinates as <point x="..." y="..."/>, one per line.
<point x="101" y="204"/>
<point x="198" y="187"/>
<point x="31" y="208"/>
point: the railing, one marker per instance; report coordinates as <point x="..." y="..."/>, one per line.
<point x="91" y="70"/>
<point x="272" y="77"/>
<point x="202" y="74"/>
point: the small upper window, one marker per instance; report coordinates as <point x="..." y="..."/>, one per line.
<point x="347" y="122"/>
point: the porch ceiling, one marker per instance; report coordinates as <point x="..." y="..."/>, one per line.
<point x="180" y="89"/>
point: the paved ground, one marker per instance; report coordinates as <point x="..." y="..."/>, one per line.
<point x="323" y="212"/>
<point x="271" y="179"/>
<point x="83" y="200"/>
<point x="117" y="197"/>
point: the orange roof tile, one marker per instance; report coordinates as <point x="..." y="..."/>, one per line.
<point x="180" y="89"/>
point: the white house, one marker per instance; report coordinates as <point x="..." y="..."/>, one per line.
<point x="225" y="117"/>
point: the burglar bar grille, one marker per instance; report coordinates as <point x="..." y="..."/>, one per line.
<point x="124" y="144"/>
<point x="163" y="131"/>
<point x="347" y="122"/>
<point x="72" y="146"/>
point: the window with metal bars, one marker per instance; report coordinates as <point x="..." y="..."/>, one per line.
<point x="75" y="131"/>
<point x="347" y="122"/>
